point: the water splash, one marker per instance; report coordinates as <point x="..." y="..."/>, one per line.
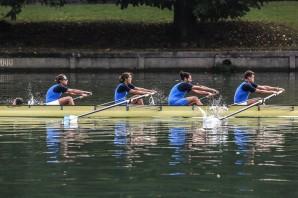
<point x="214" y="111"/>
<point x="160" y="97"/>
<point x="211" y="122"/>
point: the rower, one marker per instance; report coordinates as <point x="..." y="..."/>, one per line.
<point x="178" y="92"/>
<point x="125" y="86"/>
<point x="55" y="92"/>
<point x="249" y="86"/>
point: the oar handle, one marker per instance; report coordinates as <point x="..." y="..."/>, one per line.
<point x="272" y="95"/>
<point x="208" y="96"/>
<point x="80" y="97"/>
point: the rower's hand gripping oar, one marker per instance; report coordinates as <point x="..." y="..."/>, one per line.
<point x="209" y="96"/>
<point x="81" y="97"/>
<point x="261" y="101"/>
<point x="74" y="119"/>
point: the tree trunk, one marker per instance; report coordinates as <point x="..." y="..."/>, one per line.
<point x="184" y="20"/>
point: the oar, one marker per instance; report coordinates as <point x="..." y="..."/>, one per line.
<point x="252" y="105"/>
<point x="73" y="118"/>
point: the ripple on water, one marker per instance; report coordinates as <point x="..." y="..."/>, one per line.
<point x="156" y="156"/>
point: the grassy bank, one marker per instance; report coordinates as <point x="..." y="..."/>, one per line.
<point x="102" y="27"/>
<point x="284" y="12"/>
<point x="274" y="12"/>
<point x="91" y="13"/>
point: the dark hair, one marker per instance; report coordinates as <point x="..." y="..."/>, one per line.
<point x="248" y="73"/>
<point x="184" y="75"/>
<point x="60" y="77"/>
<point x="124" y="76"/>
<point x="18" y="101"/>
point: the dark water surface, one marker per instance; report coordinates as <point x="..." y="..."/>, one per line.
<point x="148" y="158"/>
<point x="103" y="84"/>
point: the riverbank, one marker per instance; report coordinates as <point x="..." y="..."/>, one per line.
<point x="215" y="61"/>
<point x="105" y="27"/>
<point x="127" y="35"/>
<point x="278" y="12"/>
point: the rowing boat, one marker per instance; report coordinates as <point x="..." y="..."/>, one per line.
<point x="260" y="111"/>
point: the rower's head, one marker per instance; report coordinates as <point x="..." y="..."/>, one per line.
<point x="249" y="76"/>
<point x="185" y="76"/>
<point x="61" y="79"/>
<point x="125" y="77"/>
<point x="18" y="101"/>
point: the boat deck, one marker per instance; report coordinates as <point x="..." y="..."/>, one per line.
<point x="142" y="111"/>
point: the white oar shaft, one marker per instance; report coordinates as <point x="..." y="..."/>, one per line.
<point x="252" y="105"/>
<point x="241" y="110"/>
<point x="114" y="105"/>
<point x="102" y="109"/>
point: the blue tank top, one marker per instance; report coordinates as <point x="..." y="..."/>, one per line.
<point x="120" y="96"/>
<point x="51" y="95"/>
<point x="176" y="94"/>
<point x="241" y="95"/>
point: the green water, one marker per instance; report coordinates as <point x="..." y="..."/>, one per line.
<point x="148" y="158"/>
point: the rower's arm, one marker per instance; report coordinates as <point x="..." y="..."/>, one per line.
<point x="137" y="92"/>
<point x="269" y="88"/>
<point x="77" y="92"/>
<point x="200" y="92"/>
<point x="143" y="89"/>
<point x="264" y="91"/>
<point x="266" y="87"/>
<point x="203" y="88"/>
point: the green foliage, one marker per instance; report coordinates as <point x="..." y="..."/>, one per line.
<point x="214" y="10"/>
<point x="53" y="2"/>
<point x="155" y="3"/>
<point x="204" y="10"/>
<point x="16" y="7"/>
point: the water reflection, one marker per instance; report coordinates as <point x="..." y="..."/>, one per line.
<point x="244" y="151"/>
<point x="62" y="142"/>
<point x="177" y="141"/>
<point x="157" y="156"/>
<point x="130" y="138"/>
<point x="256" y="139"/>
<point x="53" y="143"/>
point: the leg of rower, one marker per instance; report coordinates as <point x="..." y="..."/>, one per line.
<point x="252" y="101"/>
<point x="68" y="100"/>
<point x="194" y="100"/>
<point x="138" y="102"/>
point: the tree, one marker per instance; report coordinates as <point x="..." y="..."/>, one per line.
<point x="16" y="7"/>
<point x="188" y="12"/>
<point x="214" y="10"/>
<point x="184" y="18"/>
